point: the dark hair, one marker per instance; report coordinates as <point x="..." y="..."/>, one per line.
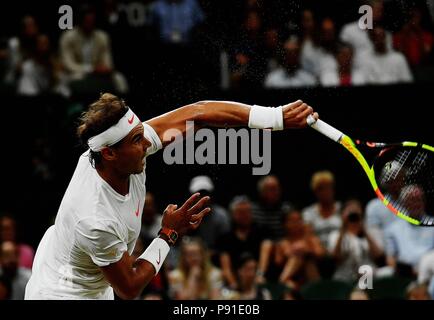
<point x="14" y="220"/>
<point x="101" y="115"/>
<point x="84" y="10"/>
<point x="244" y="258"/>
<point x="287" y="213"/>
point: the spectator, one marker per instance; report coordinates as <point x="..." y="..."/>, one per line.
<point x="249" y="65"/>
<point x="215" y="224"/>
<point x="271" y="47"/>
<point x="359" y="39"/>
<point x="406" y="244"/>
<point x="324" y="215"/>
<point x="8" y="232"/>
<point x="244" y="237"/>
<point x="412" y="201"/>
<point x="21" y="47"/>
<point x="133" y="18"/>
<point x="352" y="246"/>
<point x="151" y="219"/>
<point x="416" y="291"/>
<point x="86" y="55"/>
<point x="269" y="211"/>
<point x="413" y="40"/>
<point x="406" y="260"/>
<point x="378" y="216"/>
<point x="11" y="271"/>
<point x="177" y="19"/>
<point x="430" y="4"/>
<point x="41" y="72"/>
<point x="384" y="66"/>
<point x="290" y="74"/>
<point x="298" y="252"/>
<point x="309" y="41"/>
<point x="195" y="278"/>
<point x="7" y="70"/>
<point x="246" y="274"/>
<point x="426" y="272"/>
<point x="318" y="55"/>
<point x="341" y="71"/>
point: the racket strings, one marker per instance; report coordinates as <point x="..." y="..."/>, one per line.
<point x="408" y="178"/>
<point x="395" y="167"/>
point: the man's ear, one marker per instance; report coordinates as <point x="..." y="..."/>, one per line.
<point x="108" y="154"/>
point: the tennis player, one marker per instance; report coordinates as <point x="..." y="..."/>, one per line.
<point x="86" y="254"/>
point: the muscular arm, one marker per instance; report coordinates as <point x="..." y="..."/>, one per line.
<point x="129" y="277"/>
<point x="222" y="114"/>
<point x="204" y="113"/>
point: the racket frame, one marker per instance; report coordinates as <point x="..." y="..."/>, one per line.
<point x="349" y="144"/>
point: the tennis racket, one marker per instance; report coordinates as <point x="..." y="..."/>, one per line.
<point x="401" y="174"/>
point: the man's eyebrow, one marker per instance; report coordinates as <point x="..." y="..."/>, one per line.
<point x="137" y="134"/>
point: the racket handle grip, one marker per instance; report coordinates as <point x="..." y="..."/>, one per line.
<point x="324" y="128"/>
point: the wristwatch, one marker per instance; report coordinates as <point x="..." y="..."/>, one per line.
<point x="169" y="235"/>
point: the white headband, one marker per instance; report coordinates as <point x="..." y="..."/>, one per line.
<point x="115" y="133"/>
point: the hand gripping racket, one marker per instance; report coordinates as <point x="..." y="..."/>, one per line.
<point x="401" y="174"/>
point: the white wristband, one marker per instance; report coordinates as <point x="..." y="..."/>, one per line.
<point x="266" y="117"/>
<point x="156" y="253"/>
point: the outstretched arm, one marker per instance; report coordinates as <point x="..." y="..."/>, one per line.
<point x="230" y="114"/>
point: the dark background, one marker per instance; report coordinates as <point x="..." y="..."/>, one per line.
<point x="40" y="150"/>
<point x="387" y="113"/>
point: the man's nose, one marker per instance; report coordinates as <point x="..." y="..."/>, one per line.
<point x="144" y="145"/>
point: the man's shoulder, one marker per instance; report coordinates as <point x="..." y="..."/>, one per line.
<point x="276" y="75"/>
<point x="309" y="210"/>
<point x="351" y="28"/>
<point x="374" y="204"/>
<point x="396" y="228"/>
<point x="70" y="35"/>
<point x="98" y="222"/>
<point x="101" y="35"/>
<point x="396" y="57"/>
<point x="333" y="236"/>
<point x="306" y="76"/>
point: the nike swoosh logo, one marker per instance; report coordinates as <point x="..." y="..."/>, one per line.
<point x="130" y="121"/>
<point x="137" y="211"/>
<point x="159" y="257"/>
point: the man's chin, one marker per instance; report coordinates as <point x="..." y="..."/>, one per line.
<point x="140" y="169"/>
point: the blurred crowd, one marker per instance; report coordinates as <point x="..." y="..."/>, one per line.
<point x="115" y="45"/>
<point x="262" y="247"/>
<point x="267" y="248"/>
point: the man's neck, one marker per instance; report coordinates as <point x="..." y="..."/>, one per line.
<point x="326" y="209"/>
<point x="119" y="182"/>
